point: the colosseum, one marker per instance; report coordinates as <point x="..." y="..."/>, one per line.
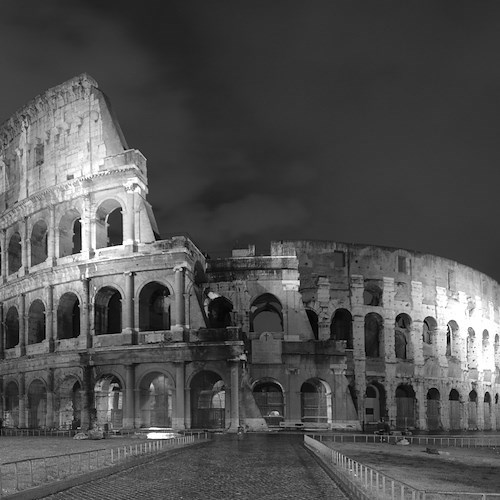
<point x="105" y="325"/>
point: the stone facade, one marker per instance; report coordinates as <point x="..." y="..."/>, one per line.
<point x="105" y="325"/>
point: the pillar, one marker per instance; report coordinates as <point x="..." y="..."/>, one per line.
<point x="129" y="239"/>
<point x="128" y="307"/>
<point x="22" y="401"/>
<point x="24" y="247"/>
<point x="2" y="333"/>
<point x="235" y="395"/>
<point x="88" y="410"/>
<point x="22" y="324"/>
<point x="4" y="254"/>
<point x="128" y="414"/>
<point x="51" y="243"/>
<point x="49" y="417"/>
<point x="178" y="422"/>
<point x="85" y="325"/>
<point x="88" y="228"/>
<point x="180" y="302"/>
<point x="49" y="323"/>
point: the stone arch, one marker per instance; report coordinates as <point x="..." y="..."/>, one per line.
<point x="219" y="312"/>
<point x="11" y="328"/>
<point x="109" y="224"/>
<point x="70" y="233"/>
<point x="39" y="242"/>
<point x="373" y="335"/>
<point x="71" y="401"/>
<point x="11" y="410"/>
<point x="452" y="336"/>
<point x="402" y="336"/>
<point x="268" y="395"/>
<point x="107" y="311"/>
<point x="312" y="316"/>
<point x="455" y="413"/>
<point x="472" y="410"/>
<point x="266" y="314"/>
<point x="68" y="316"/>
<point x="36" y="322"/>
<point x="108" y="402"/>
<point x="14" y="253"/>
<point x="372" y="294"/>
<point x="429" y="330"/>
<point x="155" y="399"/>
<point x="154" y="307"/>
<point x="37" y="405"/>
<point x="405" y="406"/>
<point x="375" y="402"/>
<point x="208" y="401"/>
<point x="341" y="327"/>
<point x="316" y="401"/>
<point x="433" y="409"/>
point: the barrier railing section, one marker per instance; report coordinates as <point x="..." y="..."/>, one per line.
<point x="23" y="474"/>
<point x="368" y="484"/>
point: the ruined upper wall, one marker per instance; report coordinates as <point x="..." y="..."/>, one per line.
<point x="63" y="134"/>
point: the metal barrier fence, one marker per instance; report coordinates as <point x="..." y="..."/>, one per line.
<point x="23" y="474"/>
<point x="365" y="483"/>
<point x="7" y="431"/>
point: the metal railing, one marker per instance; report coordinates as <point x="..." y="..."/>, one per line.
<point x="23" y="474"/>
<point x="366" y="483"/>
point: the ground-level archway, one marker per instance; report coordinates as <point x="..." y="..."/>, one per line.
<point x="11" y="410"/>
<point x="155" y="396"/>
<point x="37" y="405"/>
<point x="269" y="398"/>
<point x="472" y="410"/>
<point x="454" y="402"/>
<point x="316" y="401"/>
<point x="208" y="401"/>
<point x="433" y="410"/>
<point x="108" y="395"/>
<point x="405" y="407"/>
<point x="70" y="404"/>
<point x="375" y="402"/>
<point x="487" y="411"/>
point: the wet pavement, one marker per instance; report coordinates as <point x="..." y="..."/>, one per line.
<point x="255" y="467"/>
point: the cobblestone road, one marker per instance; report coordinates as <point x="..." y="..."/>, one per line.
<point x="257" y="467"/>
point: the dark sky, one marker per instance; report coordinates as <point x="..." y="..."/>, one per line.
<point x="367" y="122"/>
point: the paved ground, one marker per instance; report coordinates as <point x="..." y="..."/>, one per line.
<point x="256" y="467"/>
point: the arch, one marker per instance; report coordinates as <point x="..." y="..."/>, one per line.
<point x="37" y="405"/>
<point x="155" y="400"/>
<point x="108" y="402"/>
<point x="429" y="329"/>
<point x="452" y="335"/>
<point x="487" y="411"/>
<point x="11" y="410"/>
<point x="373" y="335"/>
<point x="70" y="403"/>
<point x="68" y="316"/>
<point x="70" y="233"/>
<point x="107" y="311"/>
<point x="375" y="401"/>
<point x="208" y="401"/>
<point x="316" y="401"/>
<point x="455" y="413"/>
<point x="14" y="252"/>
<point x="219" y="312"/>
<point x="405" y="406"/>
<point x="402" y="335"/>
<point x="471" y="348"/>
<point x="372" y="295"/>
<point x="109" y="224"/>
<point x="472" y="410"/>
<point x="268" y="396"/>
<point x="433" y="409"/>
<point x="38" y="243"/>
<point x="341" y="327"/>
<point x="266" y="314"/>
<point x="154" y="307"/>
<point x="36" y="322"/>
<point x="312" y="316"/>
<point x="11" y="328"/>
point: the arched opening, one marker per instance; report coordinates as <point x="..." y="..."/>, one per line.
<point x="108" y="311"/>
<point x="38" y="242"/>
<point x="266" y="314"/>
<point x="372" y="295"/>
<point x="316" y="401"/>
<point x="11" y="328"/>
<point x="313" y="321"/>
<point x="455" y="418"/>
<point x="37" y="405"/>
<point x="208" y="401"/>
<point x="156" y="401"/>
<point x="433" y="409"/>
<point x="373" y="335"/>
<point x="402" y="336"/>
<point x="219" y="313"/>
<point x="341" y="327"/>
<point x="11" y="411"/>
<point x="108" y="394"/>
<point x="471" y="348"/>
<point x="70" y="404"/>
<point x="154" y="307"/>
<point x="486" y="348"/>
<point x="405" y="407"/>
<point x="472" y="410"/>
<point x="487" y="411"/>
<point x="374" y="402"/>
<point x="68" y="316"/>
<point x="14" y="254"/>
<point x="70" y="233"/>
<point x="269" y="398"/>
<point x="36" y="322"/>
<point x="429" y="328"/>
<point x="452" y="336"/>
<point x="109" y="224"/>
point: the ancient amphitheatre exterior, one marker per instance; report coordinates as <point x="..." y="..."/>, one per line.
<point x="105" y="324"/>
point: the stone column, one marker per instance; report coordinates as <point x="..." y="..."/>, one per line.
<point x="235" y="394"/>
<point x="129" y="239"/>
<point x="24" y="247"/>
<point x="22" y="324"/>
<point x="22" y="401"/>
<point x="49" y="323"/>
<point x="85" y="333"/>
<point x="2" y="333"/>
<point x="49" y="418"/>
<point x="88" y="228"/>
<point x="88" y="413"/>
<point x="4" y="255"/>
<point x="293" y="404"/>
<point x="178" y="422"/>
<point x="180" y="302"/>
<point x="128" y="414"/>
<point x="128" y="307"/>
<point x="51" y="243"/>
